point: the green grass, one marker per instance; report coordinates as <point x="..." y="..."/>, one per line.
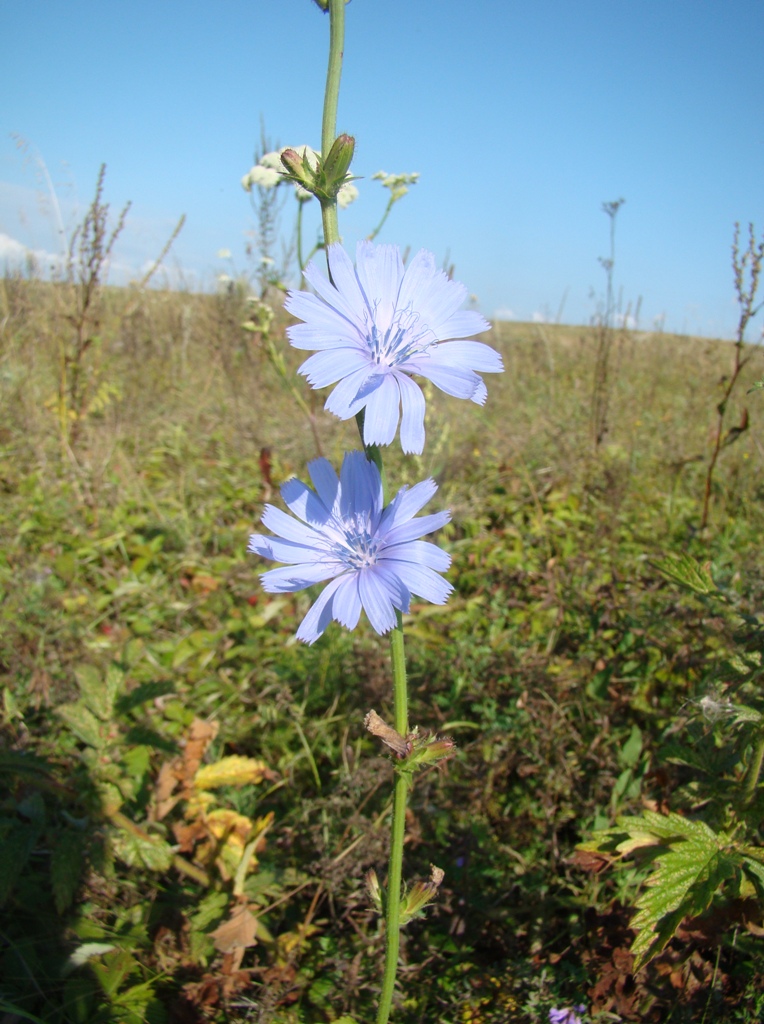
<point x="562" y="664"/>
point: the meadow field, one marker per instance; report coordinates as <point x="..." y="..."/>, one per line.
<point x="190" y="802"/>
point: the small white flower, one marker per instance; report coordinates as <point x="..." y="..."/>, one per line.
<point x="347" y="194"/>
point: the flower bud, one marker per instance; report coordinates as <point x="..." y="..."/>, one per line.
<point x="374" y="890"/>
<point x="420" y="895"/>
<point x="337" y="163"/>
<point x="298" y="167"/>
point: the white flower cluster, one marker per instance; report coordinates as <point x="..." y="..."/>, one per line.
<point x="269" y="172"/>
<point x="397" y="183"/>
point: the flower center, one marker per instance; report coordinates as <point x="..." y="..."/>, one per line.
<point x="356" y="546"/>
<point x="404" y="338"/>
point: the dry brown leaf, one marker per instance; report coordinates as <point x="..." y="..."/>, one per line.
<point x="238" y="932"/>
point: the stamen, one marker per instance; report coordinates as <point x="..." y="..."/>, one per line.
<point x="403" y="339"/>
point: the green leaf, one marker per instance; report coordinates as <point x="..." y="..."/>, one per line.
<point x="632" y="748"/>
<point x="83" y="723"/>
<point x="693" y="864"/>
<point x="688" y="572"/>
<point x="154" y="854"/>
<point x="97" y="694"/>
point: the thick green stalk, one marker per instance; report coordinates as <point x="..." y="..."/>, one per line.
<point x="395" y="873"/>
<point x="331" y="98"/>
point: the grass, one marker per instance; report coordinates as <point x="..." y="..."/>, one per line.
<point x="562" y="665"/>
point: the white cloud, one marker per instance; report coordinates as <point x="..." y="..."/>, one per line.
<point x="538" y="318"/>
<point x="504" y="313"/>
<point x="15" y="254"/>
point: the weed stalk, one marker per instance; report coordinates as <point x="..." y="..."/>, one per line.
<point x="748" y="259"/>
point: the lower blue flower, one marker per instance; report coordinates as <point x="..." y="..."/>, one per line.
<point x="372" y="555"/>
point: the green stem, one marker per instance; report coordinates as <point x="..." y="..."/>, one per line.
<point x="754" y="771"/>
<point x="385" y="215"/>
<point x="395" y="873"/>
<point x="331" y="98"/>
<point x="300" y="261"/>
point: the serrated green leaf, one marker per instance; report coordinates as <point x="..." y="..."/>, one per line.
<point x="154" y="854"/>
<point x="669" y="826"/>
<point x="688" y="572"/>
<point x="83" y="723"/>
<point x="114" y="680"/>
<point x="686" y="877"/>
<point x="94" y="694"/>
<point x="209" y="910"/>
<point x="67" y="855"/>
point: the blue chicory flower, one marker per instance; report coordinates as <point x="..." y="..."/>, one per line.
<point x="372" y="554"/>
<point x="379" y="323"/>
<point x="566" y="1016"/>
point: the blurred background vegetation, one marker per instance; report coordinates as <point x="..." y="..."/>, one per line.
<point x="189" y="801"/>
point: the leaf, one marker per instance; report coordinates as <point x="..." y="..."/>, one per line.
<point x="153" y="853"/>
<point x="94" y="693"/>
<point x="632" y="748"/>
<point x="238" y="932"/>
<point x="230" y="771"/>
<point x="67" y="856"/>
<point x="82" y="723"/>
<point x="688" y="572"/>
<point x="690" y="869"/>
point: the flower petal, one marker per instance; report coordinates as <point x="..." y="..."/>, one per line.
<point x="347" y="602"/>
<point x="462" y="324"/>
<point x="320" y="615"/>
<point x="454" y="380"/>
<point x="422" y="581"/>
<point x="376" y="601"/>
<point x="473" y="355"/>
<point x="324" y="368"/>
<point x="285" y="526"/>
<point x="412" y="420"/>
<point x="421" y="551"/>
<point x="380" y="270"/>
<point x="325" y="480"/>
<point x="287" y="578"/>
<point x="280" y="550"/>
<point x="352" y="392"/>
<point x="333" y="297"/>
<point x="305" y="503"/>
<point x="382" y="411"/>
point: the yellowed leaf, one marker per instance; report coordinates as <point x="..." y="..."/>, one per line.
<point x="230" y="771"/>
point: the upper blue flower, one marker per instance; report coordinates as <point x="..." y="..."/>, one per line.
<point x="372" y="555"/>
<point x="379" y="323"/>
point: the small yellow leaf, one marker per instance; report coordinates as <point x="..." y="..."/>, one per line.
<point x="637" y="841"/>
<point x="230" y="771"/>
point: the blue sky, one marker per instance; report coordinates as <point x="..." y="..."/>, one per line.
<point x="521" y="118"/>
